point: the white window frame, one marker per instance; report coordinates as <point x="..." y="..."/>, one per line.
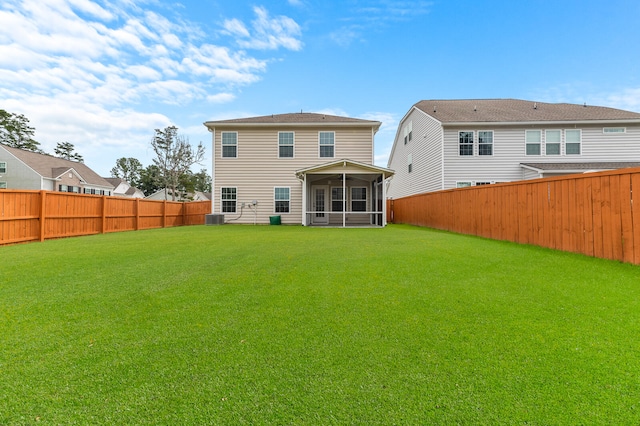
<point x="480" y="144"/>
<point x="3" y="185"/>
<point x="466" y="144"/>
<point x="614" y="130"/>
<point x="292" y="144"/>
<point x="222" y="199"/>
<point x="222" y="144"/>
<point x="359" y="200"/>
<point x="276" y="199"/>
<point x="567" y="143"/>
<point x="527" y="143"/>
<point x="332" y="144"/>
<point x="547" y="143"/>
<point x="3" y="167"/>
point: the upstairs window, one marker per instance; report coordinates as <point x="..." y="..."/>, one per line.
<point x="408" y="132"/>
<point x="327" y="144"/>
<point x="485" y="142"/>
<point x="552" y="139"/>
<point x="410" y="163"/>
<point x="3" y="167"/>
<point x="533" y="139"/>
<point x="465" y="140"/>
<point x="229" y="144"/>
<point x="573" y="141"/>
<point x="613" y="130"/>
<point x="285" y="144"/>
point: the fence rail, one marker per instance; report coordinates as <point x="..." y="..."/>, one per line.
<point x="39" y="215"/>
<point x="592" y="214"/>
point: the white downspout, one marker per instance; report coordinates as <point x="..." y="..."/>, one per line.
<point x="304" y="201"/>
<point x="213" y="170"/>
<point x="384" y="201"/>
<point x="344" y="200"/>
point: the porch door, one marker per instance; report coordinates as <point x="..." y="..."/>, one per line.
<point x="320" y="202"/>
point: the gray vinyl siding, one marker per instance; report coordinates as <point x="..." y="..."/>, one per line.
<point x="509" y="152"/>
<point x="21" y="176"/>
<point x="257" y="170"/>
<point x="426" y="152"/>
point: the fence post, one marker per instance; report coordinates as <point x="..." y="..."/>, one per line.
<point x="104" y="214"/>
<point x="137" y="224"/>
<point x="164" y="214"/>
<point x="43" y="194"/>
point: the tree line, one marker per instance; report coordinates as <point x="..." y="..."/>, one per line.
<point x="171" y="168"/>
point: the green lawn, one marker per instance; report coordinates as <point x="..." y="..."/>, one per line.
<point x="291" y="325"/>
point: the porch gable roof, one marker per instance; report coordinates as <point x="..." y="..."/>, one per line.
<point x="331" y="166"/>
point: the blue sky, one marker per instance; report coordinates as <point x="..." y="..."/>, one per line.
<point x="104" y="74"/>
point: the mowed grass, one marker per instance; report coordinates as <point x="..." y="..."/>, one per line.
<point x="291" y="325"/>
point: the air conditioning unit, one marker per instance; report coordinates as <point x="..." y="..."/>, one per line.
<point x="214" y="219"/>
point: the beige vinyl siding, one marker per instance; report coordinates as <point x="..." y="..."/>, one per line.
<point x="257" y="170"/>
<point x="425" y="149"/>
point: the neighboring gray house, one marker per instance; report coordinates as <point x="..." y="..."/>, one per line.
<point x="20" y="169"/>
<point x="442" y="144"/>
<point x="309" y="169"/>
<point x="122" y="188"/>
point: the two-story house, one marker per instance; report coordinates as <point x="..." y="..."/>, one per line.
<point x="305" y="168"/>
<point x="443" y="144"/>
<point x="20" y="169"/>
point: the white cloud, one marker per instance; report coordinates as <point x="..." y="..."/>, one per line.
<point x="89" y="72"/>
<point x="268" y="33"/>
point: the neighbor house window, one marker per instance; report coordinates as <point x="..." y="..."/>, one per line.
<point x="533" y="139"/>
<point x="282" y="197"/>
<point x="466" y="143"/>
<point x="482" y="183"/>
<point x="285" y="144"/>
<point x="408" y="132"/>
<point x="327" y="143"/>
<point x="573" y="140"/>
<point x="462" y="184"/>
<point x="337" y="199"/>
<point x="359" y="199"/>
<point x="410" y="163"/>
<point x="3" y="167"/>
<point x="229" y="145"/>
<point x="229" y="199"/>
<point x="606" y="130"/>
<point x="552" y="139"/>
<point x="3" y="185"/>
<point x="485" y="142"/>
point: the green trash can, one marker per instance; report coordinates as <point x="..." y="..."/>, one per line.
<point x="274" y="220"/>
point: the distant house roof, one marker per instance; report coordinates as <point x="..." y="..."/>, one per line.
<point x="518" y="111"/>
<point x="297" y="118"/>
<point x="580" y="167"/>
<point x="51" y="167"/>
<point x="115" y="181"/>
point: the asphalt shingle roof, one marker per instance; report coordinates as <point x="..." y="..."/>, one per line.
<point x="515" y="110"/>
<point x="52" y="167"/>
<point x="608" y="165"/>
<point x="294" y="118"/>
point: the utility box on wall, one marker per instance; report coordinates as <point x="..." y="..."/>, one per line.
<point x="214" y="219"/>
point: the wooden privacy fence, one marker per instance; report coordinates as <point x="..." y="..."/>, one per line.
<point x="592" y="214"/>
<point x="39" y="215"/>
